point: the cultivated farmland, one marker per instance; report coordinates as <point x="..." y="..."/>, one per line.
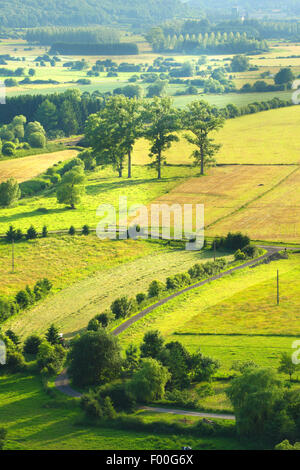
<point x="26" y="168"/>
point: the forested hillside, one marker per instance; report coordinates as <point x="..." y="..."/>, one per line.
<point x="287" y="6"/>
<point x="31" y="13"/>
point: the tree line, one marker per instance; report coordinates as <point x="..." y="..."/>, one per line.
<point x="83" y="35"/>
<point x="207" y="43"/>
<point x="59" y="112"/>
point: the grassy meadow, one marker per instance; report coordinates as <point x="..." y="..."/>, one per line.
<point x="34" y="421"/>
<point x="103" y="186"/>
<point x="269" y="137"/>
<point x="234" y="318"/>
<point x="122" y="268"/>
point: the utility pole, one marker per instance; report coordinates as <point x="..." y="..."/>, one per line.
<point x="13" y="255"/>
<point x="277" y="287"/>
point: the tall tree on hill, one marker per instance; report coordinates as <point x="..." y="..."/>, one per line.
<point x="162" y="121"/>
<point x="113" y="132"/>
<point x="200" y="119"/>
<point x="46" y="114"/>
<point x="105" y="140"/>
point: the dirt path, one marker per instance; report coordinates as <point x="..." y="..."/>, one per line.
<point x="26" y="168"/>
<point x="188" y="413"/>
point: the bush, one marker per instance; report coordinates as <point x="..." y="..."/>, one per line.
<point x="117" y="392"/>
<point x="23" y="299"/>
<point x="85" y="230"/>
<point x="239" y="255"/>
<point x="15" y="361"/>
<point x="37" y="140"/>
<point x="155" y="289"/>
<point x="141" y="297"/>
<point x="8" y="149"/>
<point x="31" y="233"/>
<point x="122" y="307"/>
<point x="72" y="230"/>
<point x="177" y="281"/>
<point x="250" y="251"/>
<point x="32" y="344"/>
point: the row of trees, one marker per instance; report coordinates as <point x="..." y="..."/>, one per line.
<point x="84" y="35"/>
<point x="113" y="132"/>
<point x="207" y="43"/>
<point x="24" y="298"/>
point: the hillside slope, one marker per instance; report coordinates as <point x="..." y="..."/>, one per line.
<point x="32" y="13"/>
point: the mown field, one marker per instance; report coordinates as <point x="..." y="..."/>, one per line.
<point x="26" y="168"/>
<point x="269" y="137"/>
<point x="225" y="190"/>
<point x="36" y="422"/>
<point x="234" y="318"/>
<point x="275" y="216"/>
<point x="123" y="268"/>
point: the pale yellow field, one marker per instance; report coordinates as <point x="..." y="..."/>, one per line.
<point x="275" y="216"/>
<point x="23" y="169"/>
<point x="270" y="137"/>
<point x="225" y="189"/>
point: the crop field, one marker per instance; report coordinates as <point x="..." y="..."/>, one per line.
<point x="26" y="168"/>
<point x="121" y="270"/>
<point x="234" y="318"/>
<point x="36" y="422"/>
<point x="269" y="137"/>
<point x="275" y="216"/>
<point x="225" y="189"/>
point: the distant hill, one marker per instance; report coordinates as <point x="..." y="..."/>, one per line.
<point x="226" y="6"/>
<point x="32" y="13"/>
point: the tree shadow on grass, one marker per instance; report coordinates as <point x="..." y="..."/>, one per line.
<point x="36" y="212"/>
<point x="95" y="189"/>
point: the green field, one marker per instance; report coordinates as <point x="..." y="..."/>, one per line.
<point x="103" y="186"/>
<point x="122" y="268"/>
<point x="34" y="421"/>
<point x="234" y="318"/>
<point x="269" y="137"/>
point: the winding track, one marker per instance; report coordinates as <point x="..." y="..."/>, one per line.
<point x="62" y="382"/>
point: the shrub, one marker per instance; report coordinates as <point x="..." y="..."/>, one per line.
<point x="85" y="230"/>
<point x="72" y="230"/>
<point x="239" y="255"/>
<point x="32" y="344"/>
<point x="8" y="149"/>
<point x="23" y="299"/>
<point x="117" y="392"/>
<point x="93" y="325"/>
<point x="140" y="297"/>
<point x="177" y="281"/>
<point x="15" y="361"/>
<point x="155" y="289"/>
<point x="45" y="231"/>
<point x="250" y="251"/>
<point x="104" y="319"/>
<point x="37" y="140"/>
<point x="122" y="307"/>
<point x="31" y="233"/>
